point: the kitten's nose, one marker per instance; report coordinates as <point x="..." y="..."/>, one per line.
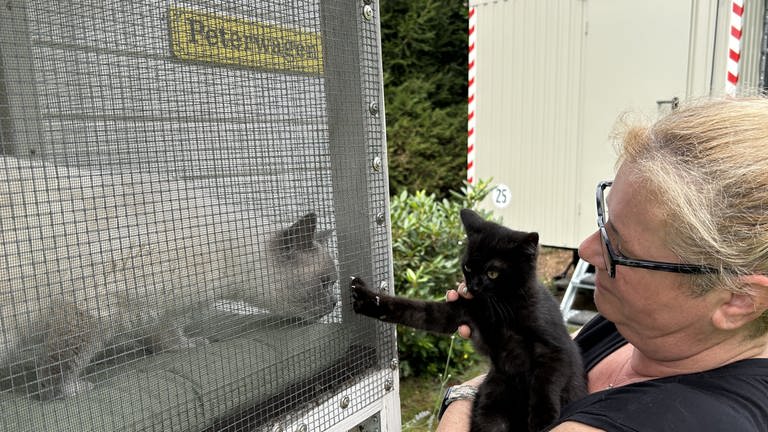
<point x="326" y="281"/>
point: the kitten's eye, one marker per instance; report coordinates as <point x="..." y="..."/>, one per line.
<point x="467" y="269"/>
<point x="492" y="274"/>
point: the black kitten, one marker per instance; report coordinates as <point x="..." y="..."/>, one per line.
<point x="535" y="366"/>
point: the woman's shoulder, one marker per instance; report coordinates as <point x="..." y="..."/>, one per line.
<point x="732" y="397"/>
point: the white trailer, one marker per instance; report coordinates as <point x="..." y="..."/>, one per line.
<point x="548" y="81"/>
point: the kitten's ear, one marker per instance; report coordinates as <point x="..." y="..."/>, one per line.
<point x="300" y="235"/>
<point x="472" y="221"/>
<point x="532" y="240"/>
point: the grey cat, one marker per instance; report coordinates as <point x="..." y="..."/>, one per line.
<point x="90" y="258"/>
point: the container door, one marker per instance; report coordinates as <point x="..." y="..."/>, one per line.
<point x="636" y="57"/>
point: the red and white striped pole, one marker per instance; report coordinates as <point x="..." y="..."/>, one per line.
<point x="471" y="101"/>
<point x="734" y="47"/>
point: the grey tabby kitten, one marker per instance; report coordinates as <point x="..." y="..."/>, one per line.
<point x="91" y="259"/>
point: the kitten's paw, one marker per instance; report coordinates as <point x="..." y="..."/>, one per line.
<point x="75" y="387"/>
<point x="197" y="341"/>
<point x="184" y="342"/>
<point x="364" y="301"/>
<point x="49" y="389"/>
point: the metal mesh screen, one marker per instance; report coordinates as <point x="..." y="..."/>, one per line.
<point x="186" y="188"/>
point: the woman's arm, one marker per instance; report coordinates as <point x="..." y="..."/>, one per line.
<point x="456" y="417"/>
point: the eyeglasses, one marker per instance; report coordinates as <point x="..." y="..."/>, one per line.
<point x="613" y="258"/>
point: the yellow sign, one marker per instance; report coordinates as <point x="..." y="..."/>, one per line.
<point x="212" y="38"/>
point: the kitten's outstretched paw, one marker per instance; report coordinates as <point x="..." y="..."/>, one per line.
<point x="173" y="339"/>
<point x="52" y="388"/>
<point x="191" y="342"/>
<point x="75" y="387"/>
<point x="364" y="301"/>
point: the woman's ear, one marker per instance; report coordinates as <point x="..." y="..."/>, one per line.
<point x="758" y="288"/>
<point x="739" y="309"/>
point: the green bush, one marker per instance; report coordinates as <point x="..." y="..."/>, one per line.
<point x="427" y="241"/>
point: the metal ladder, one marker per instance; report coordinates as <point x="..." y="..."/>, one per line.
<point x="583" y="279"/>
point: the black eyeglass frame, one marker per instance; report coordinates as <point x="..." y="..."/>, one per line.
<point x="613" y="258"/>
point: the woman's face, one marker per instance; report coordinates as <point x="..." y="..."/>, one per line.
<point x="645" y="305"/>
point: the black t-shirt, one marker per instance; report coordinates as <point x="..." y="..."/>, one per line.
<point x="731" y="398"/>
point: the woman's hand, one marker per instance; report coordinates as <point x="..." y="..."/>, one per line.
<point x="453" y="295"/>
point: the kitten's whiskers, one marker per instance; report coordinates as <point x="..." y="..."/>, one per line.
<point x="500" y="308"/>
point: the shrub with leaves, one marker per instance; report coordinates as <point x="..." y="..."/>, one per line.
<point x="427" y="242"/>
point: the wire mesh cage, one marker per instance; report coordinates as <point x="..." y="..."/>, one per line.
<point x="185" y="189"/>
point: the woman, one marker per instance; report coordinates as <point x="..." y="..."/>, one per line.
<point x="681" y="260"/>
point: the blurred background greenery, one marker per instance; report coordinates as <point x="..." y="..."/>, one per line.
<point x="424" y="56"/>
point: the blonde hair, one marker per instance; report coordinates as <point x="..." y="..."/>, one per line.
<point x="706" y="166"/>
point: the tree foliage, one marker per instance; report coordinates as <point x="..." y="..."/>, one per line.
<point x="424" y="56"/>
